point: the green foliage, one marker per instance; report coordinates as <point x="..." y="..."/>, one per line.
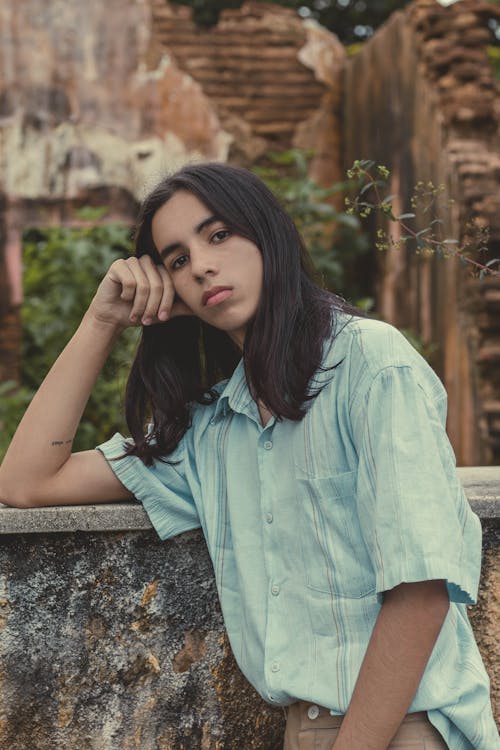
<point x="62" y="269"/>
<point x="333" y="238"/>
<point x="420" y="230"/>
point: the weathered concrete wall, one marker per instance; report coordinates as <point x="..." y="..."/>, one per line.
<point x="113" y="640"/>
<point x="422" y="99"/>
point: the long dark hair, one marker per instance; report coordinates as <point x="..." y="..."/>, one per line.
<point x="179" y="362"/>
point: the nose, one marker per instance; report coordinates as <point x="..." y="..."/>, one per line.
<point x="203" y="262"/>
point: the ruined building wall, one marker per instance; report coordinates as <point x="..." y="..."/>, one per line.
<point x="273" y="79"/>
<point x="425" y="94"/>
<point x="98" y="100"/>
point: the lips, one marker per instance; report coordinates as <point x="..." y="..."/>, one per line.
<point x="216" y="295"/>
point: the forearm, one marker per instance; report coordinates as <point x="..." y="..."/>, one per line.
<point x="404" y="635"/>
<point x="43" y="440"/>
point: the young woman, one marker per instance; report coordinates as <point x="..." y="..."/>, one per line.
<point x="320" y="472"/>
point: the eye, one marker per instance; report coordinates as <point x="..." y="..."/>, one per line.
<point x="220" y="235"/>
<point x="179" y="262"/>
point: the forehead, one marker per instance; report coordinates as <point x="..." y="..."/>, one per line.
<point x="179" y="215"/>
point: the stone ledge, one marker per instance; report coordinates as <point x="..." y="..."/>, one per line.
<point x="481" y="484"/>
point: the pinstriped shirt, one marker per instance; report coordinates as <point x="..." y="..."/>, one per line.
<point x="308" y="523"/>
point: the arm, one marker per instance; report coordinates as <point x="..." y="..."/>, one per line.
<point x="38" y="468"/>
<point x="404" y="635"/>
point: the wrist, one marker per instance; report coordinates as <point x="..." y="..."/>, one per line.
<point x="103" y="328"/>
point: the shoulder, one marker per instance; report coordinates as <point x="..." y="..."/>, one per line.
<point x="368" y="350"/>
<point x="373" y="345"/>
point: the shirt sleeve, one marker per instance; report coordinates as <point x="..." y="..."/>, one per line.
<point x="415" y="519"/>
<point x="162" y="488"/>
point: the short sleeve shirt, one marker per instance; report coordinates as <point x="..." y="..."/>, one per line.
<point x="309" y="522"/>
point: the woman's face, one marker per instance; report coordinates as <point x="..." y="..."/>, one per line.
<point x="216" y="273"/>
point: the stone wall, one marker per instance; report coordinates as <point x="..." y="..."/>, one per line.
<point x="427" y="101"/>
<point x="113" y="640"/>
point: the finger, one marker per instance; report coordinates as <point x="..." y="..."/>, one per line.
<point x="121" y="274"/>
<point x="156" y="290"/>
<point x="141" y="289"/>
<point x="167" y="298"/>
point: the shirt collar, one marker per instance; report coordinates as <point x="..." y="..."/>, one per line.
<point x="235" y="395"/>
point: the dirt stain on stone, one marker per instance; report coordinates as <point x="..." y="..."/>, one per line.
<point x="193" y="650"/>
<point x="65" y="713"/>
<point x="150" y="593"/>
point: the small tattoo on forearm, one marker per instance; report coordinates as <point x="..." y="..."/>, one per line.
<point x="61" y="442"/>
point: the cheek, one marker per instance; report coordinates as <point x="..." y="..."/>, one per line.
<point x="184" y="290"/>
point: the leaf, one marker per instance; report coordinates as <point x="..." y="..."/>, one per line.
<point x="405" y="216"/>
<point x="450" y="242"/>
<point x="366" y="187"/>
<point x="388" y="199"/>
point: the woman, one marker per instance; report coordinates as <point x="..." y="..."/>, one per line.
<point x="320" y="472"/>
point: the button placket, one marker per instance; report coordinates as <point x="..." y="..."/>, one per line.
<point x="266" y="462"/>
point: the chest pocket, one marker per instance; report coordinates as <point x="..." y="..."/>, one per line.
<point x="335" y="556"/>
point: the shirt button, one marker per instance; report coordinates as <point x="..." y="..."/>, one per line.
<point x="313" y="712"/>
<point x="275" y="589"/>
<point x="268" y="445"/>
<point x="275" y="667"/>
<point x="269" y="517"/>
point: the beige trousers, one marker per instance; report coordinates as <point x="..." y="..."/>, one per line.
<point x="311" y="727"/>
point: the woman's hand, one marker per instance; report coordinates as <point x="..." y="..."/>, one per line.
<point x="136" y="292"/>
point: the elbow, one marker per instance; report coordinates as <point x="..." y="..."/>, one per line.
<point x="15" y="496"/>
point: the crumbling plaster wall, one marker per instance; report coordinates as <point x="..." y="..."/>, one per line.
<point x="80" y="107"/>
<point x="426" y="94"/>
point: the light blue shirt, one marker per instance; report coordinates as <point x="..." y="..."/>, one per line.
<point x="308" y="523"/>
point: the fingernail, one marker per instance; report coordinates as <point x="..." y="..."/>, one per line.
<point x="163" y="315"/>
<point x="147" y="321"/>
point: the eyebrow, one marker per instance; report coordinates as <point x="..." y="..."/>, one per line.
<point x="198" y="230"/>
